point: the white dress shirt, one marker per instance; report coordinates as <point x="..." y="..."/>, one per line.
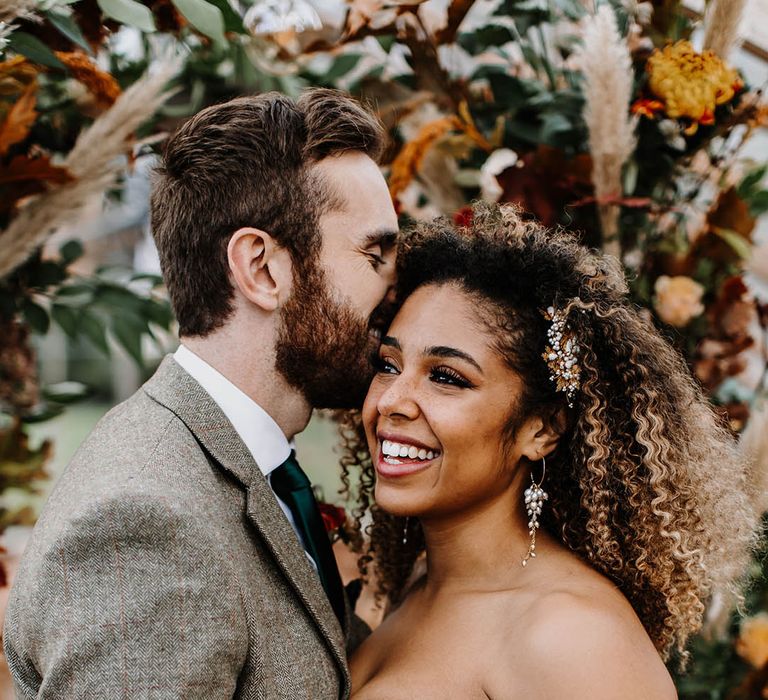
<point x="256" y="428"/>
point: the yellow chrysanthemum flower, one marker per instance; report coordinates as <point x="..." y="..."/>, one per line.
<point x="691" y="84"/>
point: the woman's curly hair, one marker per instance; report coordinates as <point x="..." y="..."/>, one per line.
<point x="646" y="484"/>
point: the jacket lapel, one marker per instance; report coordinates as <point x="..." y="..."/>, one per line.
<point x="181" y="394"/>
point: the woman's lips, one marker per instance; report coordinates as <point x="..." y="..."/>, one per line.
<point x="404" y="468"/>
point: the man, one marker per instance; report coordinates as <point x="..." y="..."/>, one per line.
<point x="179" y="556"/>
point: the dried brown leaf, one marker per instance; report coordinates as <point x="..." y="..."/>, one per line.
<point x="19" y="120"/>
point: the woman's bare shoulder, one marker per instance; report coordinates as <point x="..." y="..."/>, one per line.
<point x="585" y="642"/>
<point x="582" y="645"/>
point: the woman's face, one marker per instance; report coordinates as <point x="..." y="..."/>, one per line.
<point x="437" y="408"/>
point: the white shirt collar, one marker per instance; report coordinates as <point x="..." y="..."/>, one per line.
<point x="256" y="428"/>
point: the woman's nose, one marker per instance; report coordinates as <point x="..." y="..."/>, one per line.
<point x="399" y="399"/>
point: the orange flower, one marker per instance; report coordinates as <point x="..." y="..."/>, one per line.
<point x="752" y="644"/>
<point x="647" y="108"/>
<point x="691" y="84"/>
<point x="101" y="85"/>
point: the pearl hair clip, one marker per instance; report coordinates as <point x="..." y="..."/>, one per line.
<point x="561" y="355"/>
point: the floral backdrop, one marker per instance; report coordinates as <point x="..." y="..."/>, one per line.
<point x="624" y="121"/>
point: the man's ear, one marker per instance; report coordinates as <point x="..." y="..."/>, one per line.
<point x="261" y="269"/>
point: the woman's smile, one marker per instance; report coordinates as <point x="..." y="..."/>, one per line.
<point x="399" y="456"/>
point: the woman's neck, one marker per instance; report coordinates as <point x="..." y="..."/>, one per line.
<point x="478" y="550"/>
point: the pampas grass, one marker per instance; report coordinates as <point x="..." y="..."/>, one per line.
<point x="754" y="448"/>
<point x="606" y="64"/>
<point x="16" y="9"/>
<point x="753" y="445"/>
<point x="721" y="26"/>
<point x="95" y="161"/>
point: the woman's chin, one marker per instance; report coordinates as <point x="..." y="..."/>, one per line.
<point x="396" y="504"/>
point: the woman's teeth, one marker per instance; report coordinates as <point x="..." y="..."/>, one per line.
<point x="393" y="450"/>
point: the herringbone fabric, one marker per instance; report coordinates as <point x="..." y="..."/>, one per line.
<point x="162" y="567"/>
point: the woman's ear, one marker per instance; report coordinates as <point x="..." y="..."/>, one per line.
<point x="542" y="434"/>
<point x="261" y="269"/>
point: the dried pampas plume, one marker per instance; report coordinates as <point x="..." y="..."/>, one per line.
<point x="753" y="445"/>
<point x="16" y="9"/>
<point x="95" y="162"/>
<point x="721" y="26"/>
<point x="606" y="64"/>
<point x="754" y="448"/>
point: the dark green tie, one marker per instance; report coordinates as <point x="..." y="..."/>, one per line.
<point x="293" y="487"/>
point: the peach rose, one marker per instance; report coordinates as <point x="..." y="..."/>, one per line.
<point x="678" y="299"/>
<point x="752" y="644"/>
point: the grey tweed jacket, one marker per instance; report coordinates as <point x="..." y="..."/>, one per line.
<point x="162" y="567"/>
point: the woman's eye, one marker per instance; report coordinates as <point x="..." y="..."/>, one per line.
<point x="445" y="375"/>
<point x="384" y="366"/>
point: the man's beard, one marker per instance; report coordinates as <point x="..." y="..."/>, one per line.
<point x="324" y="349"/>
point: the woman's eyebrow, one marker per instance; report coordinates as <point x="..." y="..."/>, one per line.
<point x="391" y="342"/>
<point x="443" y="351"/>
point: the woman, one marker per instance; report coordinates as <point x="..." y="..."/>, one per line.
<point x="575" y="495"/>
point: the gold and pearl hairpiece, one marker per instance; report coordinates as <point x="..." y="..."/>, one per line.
<point x="561" y="354"/>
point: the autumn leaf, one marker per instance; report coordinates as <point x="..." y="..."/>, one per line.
<point x="101" y="85"/>
<point x="360" y="13"/>
<point x="25" y="176"/>
<point x="16" y="75"/>
<point x="408" y="161"/>
<point x="19" y="120"/>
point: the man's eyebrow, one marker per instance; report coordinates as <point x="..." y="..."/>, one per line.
<point x="383" y="237"/>
<point x="391" y="342"/>
<point x="443" y="351"/>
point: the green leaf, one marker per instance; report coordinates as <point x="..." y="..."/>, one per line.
<point x="47" y="274"/>
<point x="65" y="392"/>
<point x="341" y="66"/>
<point x="93" y="329"/>
<point x="156" y="280"/>
<point x="66" y="318"/>
<point x="74" y="295"/>
<point x="36" y="316"/>
<point x="68" y="27"/>
<point x="158" y="312"/>
<point x="71" y="251"/>
<point x="129" y="12"/>
<point x="512" y="92"/>
<point x="128" y="331"/>
<point x="232" y="21"/>
<point x="758" y="203"/>
<point x="116" y="300"/>
<point x="737" y="242"/>
<point x="205" y="17"/>
<point x="34" y="49"/>
<point x="42" y="412"/>
<point x="750" y="181"/>
<point x="554" y="123"/>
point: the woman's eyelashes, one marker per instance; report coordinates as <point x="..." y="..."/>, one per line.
<point x="383" y="365"/>
<point x="439" y="375"/>
<point x="446" y="375"/>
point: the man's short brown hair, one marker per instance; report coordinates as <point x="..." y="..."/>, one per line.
<point x="244" y="163"/>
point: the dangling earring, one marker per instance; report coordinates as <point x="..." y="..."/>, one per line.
<point x="534" y="498"/>
<point x="405" y="529"/>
